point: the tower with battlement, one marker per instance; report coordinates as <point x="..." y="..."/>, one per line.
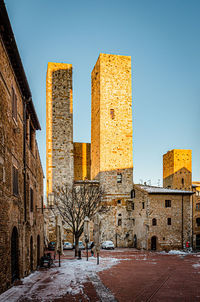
<point x="177" y="169"/>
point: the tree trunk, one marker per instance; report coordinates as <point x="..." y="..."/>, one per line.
<point x="76" y="246"/>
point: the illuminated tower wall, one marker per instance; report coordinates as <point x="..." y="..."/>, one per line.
<point x="59" y="125"/>
<point x="177" y="169"/>
<point x="111" y="125"/>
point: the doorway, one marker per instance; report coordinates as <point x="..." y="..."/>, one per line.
<point x="14" y="255"/>
<point x="153" y="243"/>
<point x="38" y="250"/>
<point x="31" y="253"/>
<point x="198" y="241"/>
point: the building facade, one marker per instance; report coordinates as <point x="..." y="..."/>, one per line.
<point x="162" y="218"/>
<point x="21" y="175"/>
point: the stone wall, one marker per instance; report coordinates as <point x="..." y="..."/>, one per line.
<point x="60" y="168"/>
<point x="152" y="206"/>
<point x="177" y="169"/>
<point x="12" y="208"/>
<point x="111" y="136"/>
<point x="82" y="161"/>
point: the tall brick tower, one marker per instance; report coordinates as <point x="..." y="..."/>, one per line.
<point x="111" y="130"/>
<point x="59" y="125"/>
<point x="177" y="169"/>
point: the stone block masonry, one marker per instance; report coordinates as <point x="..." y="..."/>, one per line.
<point x="60" y="167"/>
<point x="177" y="169"/>
<point x="111" y="129"/>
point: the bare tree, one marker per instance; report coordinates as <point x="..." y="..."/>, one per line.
<point x="76" y="202"/>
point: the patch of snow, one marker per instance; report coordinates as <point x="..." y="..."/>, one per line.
<point x="197" y="265"/>
<point x="58" y="281"/>
<point x="177" y="252"/>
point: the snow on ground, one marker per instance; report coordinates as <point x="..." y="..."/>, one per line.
<point x="58" y="281"/>
<point x="197" y="265"/>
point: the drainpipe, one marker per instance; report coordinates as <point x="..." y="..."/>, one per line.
<point x="25" y="102"/>
<point x="182" y="224"/>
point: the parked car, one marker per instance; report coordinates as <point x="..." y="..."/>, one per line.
<point x="51" y="245"/>
<point x="67" y="246"/>
<point x="108" y="245"/>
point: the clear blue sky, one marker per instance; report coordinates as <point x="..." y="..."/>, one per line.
<point x="163" y="39"/>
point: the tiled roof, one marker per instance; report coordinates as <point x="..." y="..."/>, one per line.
<point x="160" y="190"/>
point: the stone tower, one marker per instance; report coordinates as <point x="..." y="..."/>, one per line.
<point x="111" y="128"/>
<point x="177" y="169"/>
<point x="59" y="125"/>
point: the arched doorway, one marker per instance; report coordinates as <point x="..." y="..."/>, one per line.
<point x="198" y="241"/>
<point x="31" y="253"/>
<point x="14" y="255"/>
<point x="153" y="243"/>
<point x="38" y="250"/>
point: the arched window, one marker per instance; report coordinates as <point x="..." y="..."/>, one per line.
<point x="182" y="181"/>
<point x="154" y="222"/>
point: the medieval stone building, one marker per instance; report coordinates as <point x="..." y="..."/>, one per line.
<point x="21" y="175"/>
<point x="142" y="216"/>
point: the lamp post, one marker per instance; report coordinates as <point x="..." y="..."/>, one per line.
<point x="87" y="232"/>
<point x="97" y="232"/>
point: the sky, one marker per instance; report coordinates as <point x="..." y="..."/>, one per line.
<point x="162" y="37"/>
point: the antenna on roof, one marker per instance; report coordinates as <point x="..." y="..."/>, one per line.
<point x="149" y="182"/>
<point x="158" y="182"/>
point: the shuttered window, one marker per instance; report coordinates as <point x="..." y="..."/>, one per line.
<point x="15" y="181"/>
<point x="31" y="199"/>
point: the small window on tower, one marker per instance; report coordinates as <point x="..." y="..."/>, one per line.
<point x="112" y="114"/>
<point x="182" y="181"/>
<point x="119" y="178"/>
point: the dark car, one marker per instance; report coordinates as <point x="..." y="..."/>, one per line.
<point x="51" y="245"/>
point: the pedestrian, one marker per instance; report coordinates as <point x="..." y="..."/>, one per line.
<point x="92" y="248"/>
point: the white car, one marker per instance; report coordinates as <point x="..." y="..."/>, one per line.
<point x="108" y="245"/>
<point x="67" y="246"/>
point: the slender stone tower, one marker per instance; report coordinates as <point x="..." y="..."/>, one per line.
<point x="177" y="169"/>
<point x="111" y="129"/>
<point x="59" y="126"/>
<point x="111" y="144"/>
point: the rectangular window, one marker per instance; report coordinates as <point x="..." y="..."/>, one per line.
<point x="119" y="222"/>
<point x="169" y="221"/>
<point x="112" y="114"/>
<point x="119" y="201"/>
<point x="15" y="181"/>
<point x="14" y="104"/>
<point x="143" y="205"/>
<point x="133" y="206"/>
<point x="31" y="199"/>
<point x="119" y="178"/>
<point x="167" y="203"/>
<point x="198" y="207"/>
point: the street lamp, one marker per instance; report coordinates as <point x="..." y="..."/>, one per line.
<point x="87" y="232"/>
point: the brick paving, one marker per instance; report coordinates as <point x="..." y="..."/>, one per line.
<point x="140" y="276"/>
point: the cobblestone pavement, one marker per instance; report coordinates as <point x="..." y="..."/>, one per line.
<point x="133" y="276"/>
